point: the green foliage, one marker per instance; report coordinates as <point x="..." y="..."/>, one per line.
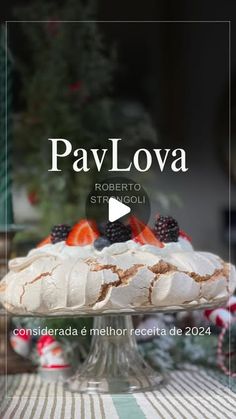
<point x="171" y="352"/>
<point x="168" y="352"/>
<point x="61" y="55"/>
<point x="67" y="75"/>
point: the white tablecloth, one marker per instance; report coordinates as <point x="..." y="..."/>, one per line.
<point x="187" y="394"/>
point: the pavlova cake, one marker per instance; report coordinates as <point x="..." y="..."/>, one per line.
<point x="115" y="267"/>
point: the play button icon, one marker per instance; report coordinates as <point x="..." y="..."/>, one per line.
<point x="116" y="198"/>
<point x="116" y="209"/>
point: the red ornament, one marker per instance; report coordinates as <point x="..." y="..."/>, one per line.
<point x="223" y="317"/>
<point x="33" y="198"/>
<point x="222" y="357"/>
<point x="218" y="316"/>
<point x="51" y="353"/>
<point x="43" y="341"/>
<point x="231" y="304"/>
<point x="21" y="343"/>
<point x="75" y="87"/>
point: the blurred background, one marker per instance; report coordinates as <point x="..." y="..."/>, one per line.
<point x="154" y="84"/>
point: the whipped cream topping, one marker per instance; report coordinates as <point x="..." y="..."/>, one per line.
<point x="62" y="251"/>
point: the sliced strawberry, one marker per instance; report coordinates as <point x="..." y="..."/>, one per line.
<point x="185" y="235"/>
<point x="142" y="233"/>
<point x="82" y="233"/>
<point x="47" y="240"/>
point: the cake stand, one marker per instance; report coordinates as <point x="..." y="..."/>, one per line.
<point x="114" y="364"/>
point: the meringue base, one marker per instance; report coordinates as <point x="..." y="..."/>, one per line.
<point x="114" y="364"/>
<point x="125" y="277"/>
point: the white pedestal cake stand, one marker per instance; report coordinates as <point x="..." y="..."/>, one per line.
<point x="114" y="364"/>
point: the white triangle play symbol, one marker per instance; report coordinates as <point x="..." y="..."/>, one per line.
<point x="116" y="209"/>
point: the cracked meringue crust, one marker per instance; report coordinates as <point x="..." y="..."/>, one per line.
<point x="125" y="276"/>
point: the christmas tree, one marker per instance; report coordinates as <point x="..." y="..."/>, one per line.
<point x="67" y="92"/>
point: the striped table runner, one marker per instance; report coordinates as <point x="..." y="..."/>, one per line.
<point x="187" y="394"/>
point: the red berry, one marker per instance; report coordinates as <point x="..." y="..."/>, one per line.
<point x="141" y="233"/>
<point x="82" y="233"/>
<point x="185" y="235"/>
<point x="47" y="240"/>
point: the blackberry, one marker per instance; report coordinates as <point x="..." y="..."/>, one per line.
<point x="101" y="228"/>
<point x="59" y="233"/>
<point x="117" y="232"/>
<point x="101" y="242"/>
<point x="166" y="229"/>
